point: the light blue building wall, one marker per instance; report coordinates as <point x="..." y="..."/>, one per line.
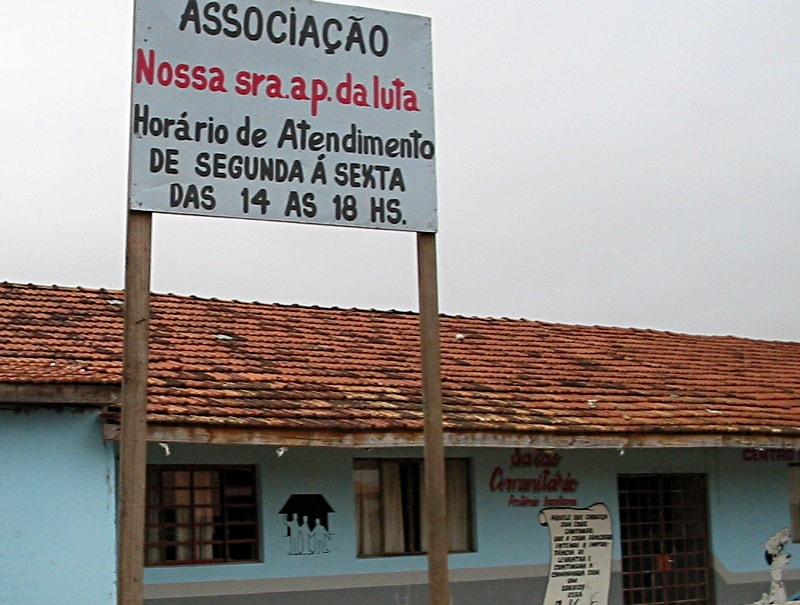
<point x="57" y="509"/>
<point x="58" y="528"/>
<point x="747" y="502"/>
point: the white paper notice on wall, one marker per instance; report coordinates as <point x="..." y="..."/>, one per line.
<point x="580" y="555"/>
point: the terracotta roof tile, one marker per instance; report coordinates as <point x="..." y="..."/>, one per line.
<point x="221" y="363"/>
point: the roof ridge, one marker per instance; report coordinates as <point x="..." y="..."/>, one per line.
<point x="399" y="312"/>
<point x="195" y="297"/>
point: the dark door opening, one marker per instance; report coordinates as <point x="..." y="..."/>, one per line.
<point x="664" y="540"/>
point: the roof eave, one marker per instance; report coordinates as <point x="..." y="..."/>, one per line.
<point x="386" y="439"/>
<point x="30" y="395"/>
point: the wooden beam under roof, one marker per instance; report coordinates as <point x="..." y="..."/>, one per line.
<point x="88" y="395"/>
<point x="366" y="440"/>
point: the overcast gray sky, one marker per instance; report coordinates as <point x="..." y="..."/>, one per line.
<point x="619" y="163"/>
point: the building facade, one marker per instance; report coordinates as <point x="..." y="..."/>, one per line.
<point x="584" y="465"/>
<point x="687" y="525"/>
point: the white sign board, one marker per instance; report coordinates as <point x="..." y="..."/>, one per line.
<point x="289" y="111"/>
<point x="580" y="555"/>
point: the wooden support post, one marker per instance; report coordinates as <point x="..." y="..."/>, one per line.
<point x="435" y="487"/>
<point x="133" y="434"/>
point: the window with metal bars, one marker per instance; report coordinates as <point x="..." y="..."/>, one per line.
<point x="664" y="540"/>
<point x="201" y="514"/>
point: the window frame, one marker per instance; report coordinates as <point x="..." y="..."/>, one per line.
<point x="201" y="498"/>
<point x="381" y="485"/>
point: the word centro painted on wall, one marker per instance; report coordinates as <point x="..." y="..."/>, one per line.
<point x="758" y="454"/>
<point x="540" y="482"/>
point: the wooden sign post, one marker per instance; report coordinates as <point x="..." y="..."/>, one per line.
<point x="133" y="434"/>
<point x="133" y="430"/>
<point x="435" y="485"/>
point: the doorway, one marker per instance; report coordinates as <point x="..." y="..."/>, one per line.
<point x="664" y="539"/>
